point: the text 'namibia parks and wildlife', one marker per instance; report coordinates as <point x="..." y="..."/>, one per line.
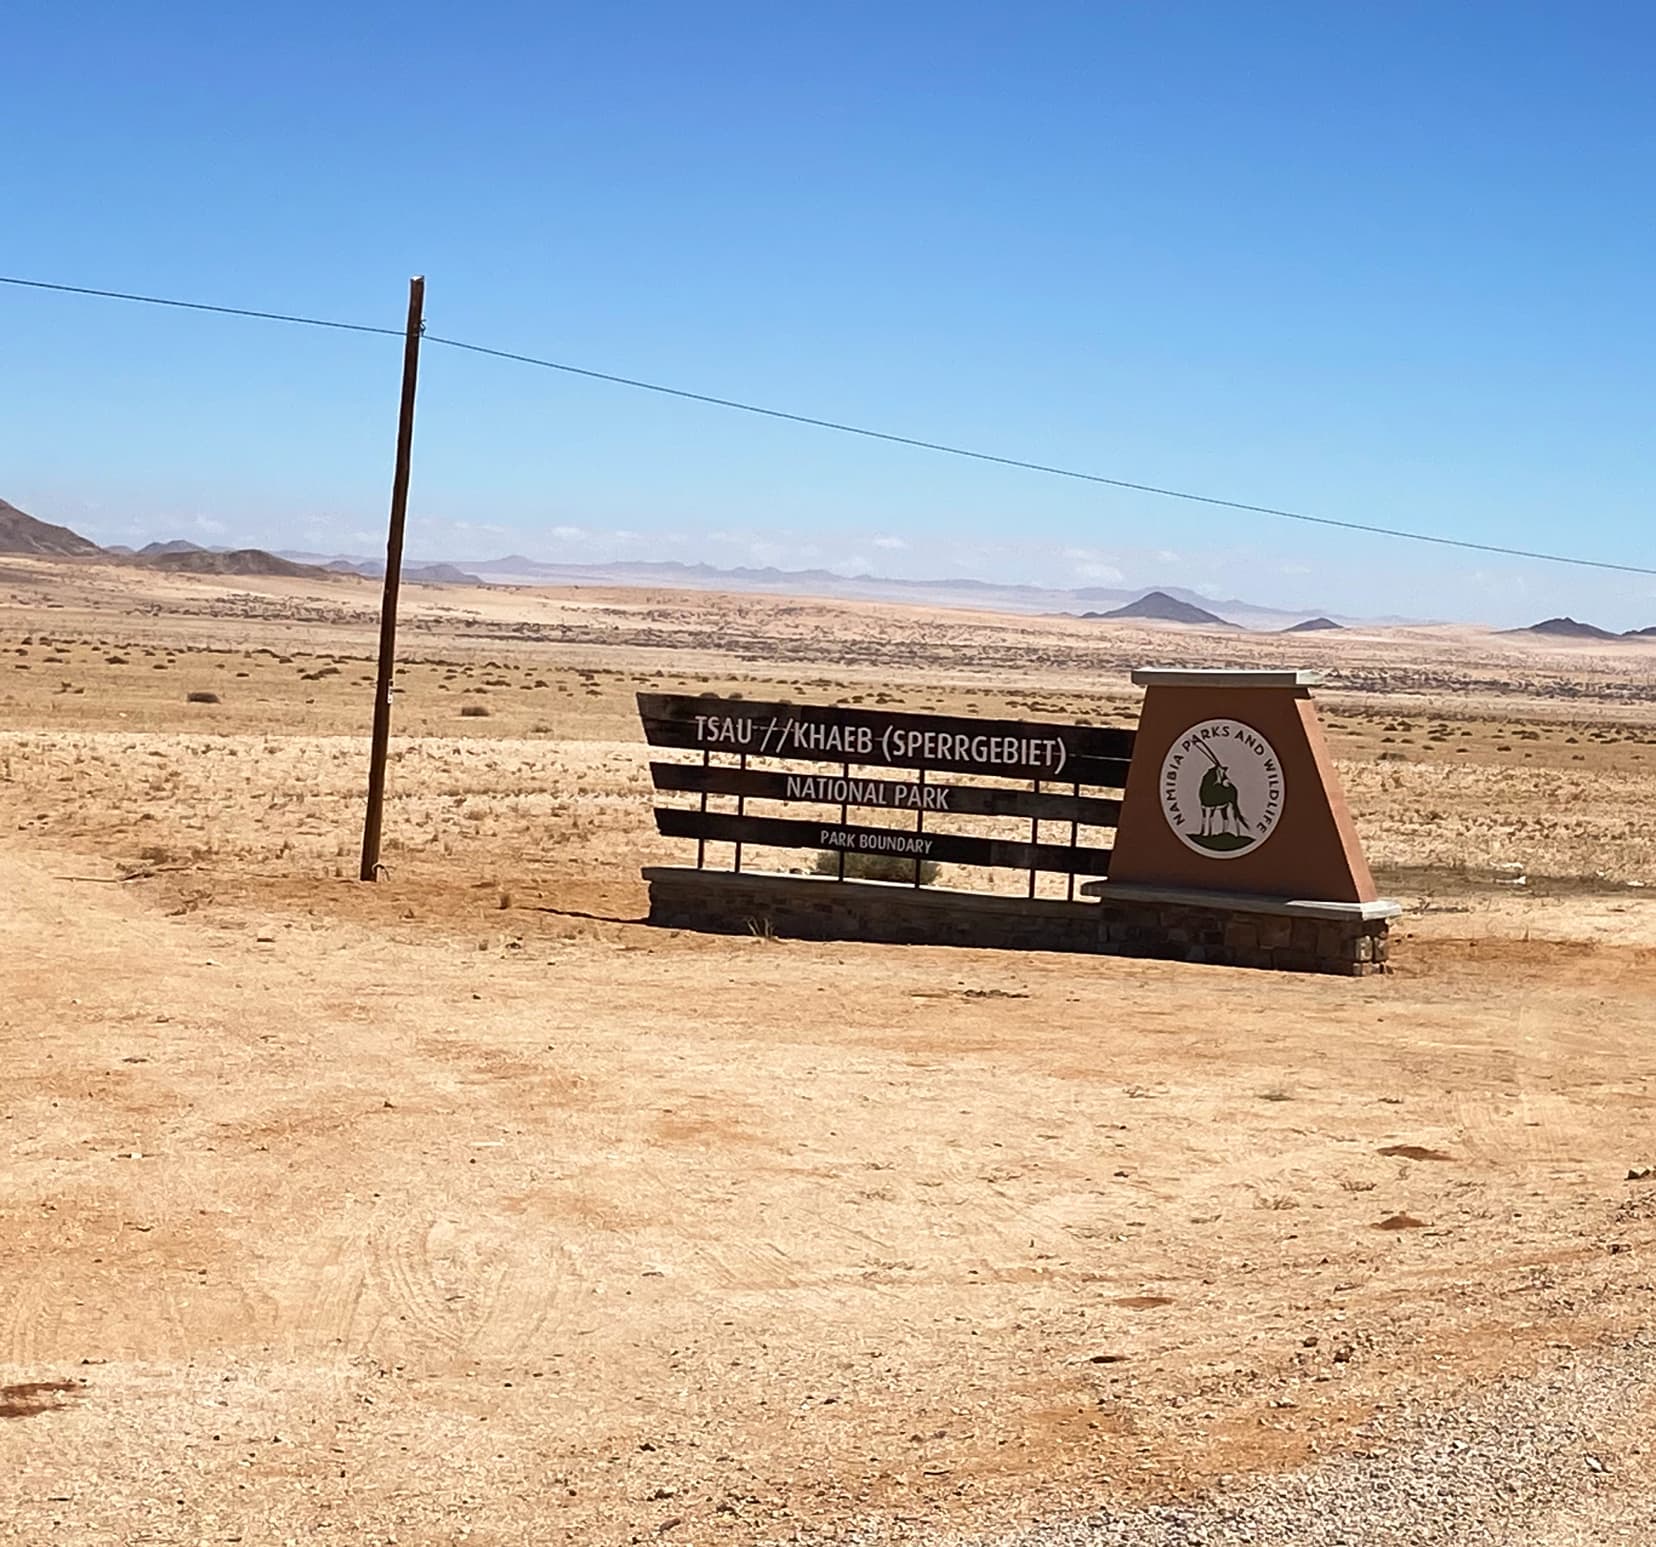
<point x="740" y="743"/>
<point x="1221" y="788"/>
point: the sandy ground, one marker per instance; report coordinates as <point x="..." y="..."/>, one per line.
<point x="466" y="1207"/>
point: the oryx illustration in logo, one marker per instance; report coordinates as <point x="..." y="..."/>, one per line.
<point x="1223" y="825"/>
<point x="1221" y="788"/>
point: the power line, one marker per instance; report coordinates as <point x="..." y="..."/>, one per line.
<point x="941" y="447"/>
<point x="1042" y="467"/>
<point x="201" y="306"/>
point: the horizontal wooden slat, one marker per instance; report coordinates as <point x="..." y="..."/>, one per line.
<point x="893" y="794"/>
<point x="948" y="848"/>
<point x="825" y="733"/>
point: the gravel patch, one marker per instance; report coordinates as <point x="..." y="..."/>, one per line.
<point x="1492" y="1472"/>
<point x="1546" y="1461"/>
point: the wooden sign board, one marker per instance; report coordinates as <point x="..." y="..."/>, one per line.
<point x="873" y="792"/>
<point x="844" y="746"/>
<point x="829" y="733"/>
<point x="847" y="838"/>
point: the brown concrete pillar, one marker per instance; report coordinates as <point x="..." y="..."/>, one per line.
<point x="1231" y="789"/>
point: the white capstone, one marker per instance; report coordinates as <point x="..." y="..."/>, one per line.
<point x="1223" y="677"/>
<point x="1241" y="902"/>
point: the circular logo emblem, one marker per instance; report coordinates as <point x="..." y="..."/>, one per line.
<point x="1221" y="788"/>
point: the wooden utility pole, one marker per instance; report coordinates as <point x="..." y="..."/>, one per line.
<point x="393" y="581"/>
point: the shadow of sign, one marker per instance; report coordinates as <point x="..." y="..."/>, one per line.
<point x="29" y="1399"/>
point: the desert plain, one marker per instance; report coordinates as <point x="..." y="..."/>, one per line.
<point x="467" y="1207"/>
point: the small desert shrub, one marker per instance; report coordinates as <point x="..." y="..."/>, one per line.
<point x="876" y="867"/>
<point x="474" y="711"/>
<point x="201" y="698"/>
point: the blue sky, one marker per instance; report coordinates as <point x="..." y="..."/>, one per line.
<point x="1385" y="263"/>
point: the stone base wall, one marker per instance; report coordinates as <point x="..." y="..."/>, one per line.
<point x="1351" y="947"/>
<point x="819" y="908"/>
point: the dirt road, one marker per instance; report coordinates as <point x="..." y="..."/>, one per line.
<point x="539" y="1226"/>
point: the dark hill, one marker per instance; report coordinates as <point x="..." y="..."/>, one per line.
<point x="1565" y="628"/>
<point x="177" y="545"/>
<point x="1159" y="607"/>
<point x="1640" y="633"/>
<point x="21" y="533"/>
<point x="438" y="574"/>
<point x="241" y="561"/>
<point x="1312" y="626"/>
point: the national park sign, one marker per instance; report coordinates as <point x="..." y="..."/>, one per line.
<point x="1213" y="832"/>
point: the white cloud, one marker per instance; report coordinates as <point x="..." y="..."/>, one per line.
<point x="569" y="534"/>
<point x="1499" y="582"/>
<point x="890" y="542"/>
<point x="1097" y="564"/>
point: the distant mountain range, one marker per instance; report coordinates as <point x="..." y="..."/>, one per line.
<point x="997" y="596"/>
<point x="991" y="595"/>
<point x="421" y="574"/>
<point x="193" y="558"/>
<point x="187" y="558"/>
<point x="1569" y="628"/>
<point x="21" y="533"/>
